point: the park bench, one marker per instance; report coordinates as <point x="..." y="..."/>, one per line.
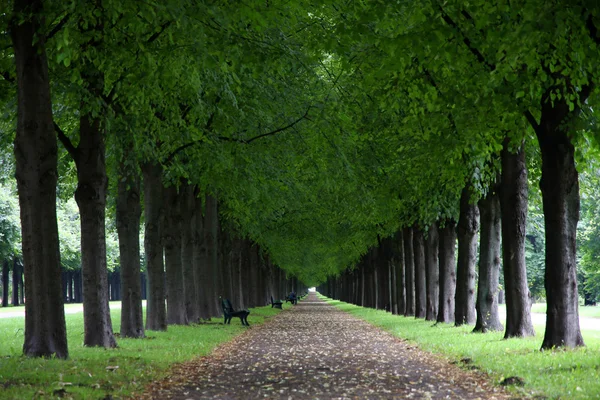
<point x="229" y="312"/>
<point x="275" y="304"/>
<point x="291" y="299"/>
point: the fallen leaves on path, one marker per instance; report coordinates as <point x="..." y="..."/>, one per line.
<point x="316" y="351"/>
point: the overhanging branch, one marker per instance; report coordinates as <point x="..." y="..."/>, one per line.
<point x="66" y="142"/>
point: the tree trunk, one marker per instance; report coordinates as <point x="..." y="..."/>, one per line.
<point x="409" y="265"/>
<point x="211" y="229"/>
<point x="188" y="201"/>
<point x="156" y="311"/>
<point x="201" y="273"/>
<point x="489" y="264"/>
<point x="513" y="203"/>
<point x="77" y="287"/>
<point x="35" y="150"/>
<point x="5" y="271"/>
<point x="468" y="227"/>
<point x="433" y="272"/>
<point x="15" y="283"/>
<point x="176" y="314"/>
<point x="560" y="195"/>
<point x="400" y="277"/>
<point x="128" y="214"/>
<point x="420" y="274"/>
<point x="447" y="272"/>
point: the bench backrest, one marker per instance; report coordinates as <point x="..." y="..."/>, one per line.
<point x="227" y="307"/>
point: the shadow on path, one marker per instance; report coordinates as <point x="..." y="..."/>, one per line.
<point x="316" y="351"/>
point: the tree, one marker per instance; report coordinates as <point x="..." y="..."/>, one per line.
<point x="489" y="264"/>
<point x="468" y="226"/>
<point x="35" y="154"/>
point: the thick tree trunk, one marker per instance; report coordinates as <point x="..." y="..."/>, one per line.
<point x="433" y="272"/>
<point x="420" y="274"/>
<point x="447" y="272"/>
<point x="560" y="195"/>
<point x="409" y="268"/>
<point x="489" y="264"/>
<point x="513" y="203"/>
<point x="36" y="172"/>
<point x="156" y="310"/>
<point x="188" y="201"/>
<point x="176" y="314"/>
<point x="128" y="214"/>
<point x="468" y="227"/>
<point x="90" y="195"/>
<point x="5" y="275"/>
<point x="400" y="276"/>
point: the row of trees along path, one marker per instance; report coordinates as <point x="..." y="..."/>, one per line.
<point x="314" y="130"/>
<point x="317" y="351"/>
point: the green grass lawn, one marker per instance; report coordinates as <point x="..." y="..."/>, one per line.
<point x="94" y="373"/>
<point x="563" y="374"/>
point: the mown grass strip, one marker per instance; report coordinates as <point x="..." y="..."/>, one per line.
<point x="95" y="373"/>
<point x="564" y="374"/>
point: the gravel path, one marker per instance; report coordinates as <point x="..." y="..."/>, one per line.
<point x="315" y="351"/>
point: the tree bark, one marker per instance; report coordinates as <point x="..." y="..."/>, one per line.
<point x="128" y="215"/>
<point x="92" y="185"/>
<point x="409" y="265"/>
<point x="489" y="264"/>
<point x="433" y="272"/>
<point x="560" y="195"/>
<point x="15" y="283"/>
<point x="447" y="272"/>
<point x="188" y="201"/>
<point x="35" y="150"/>
<point x="513" y="203"/>
<point x="211" y="229"/>
<point x="201" y="273"/>
<point x="400" y="277"/>
<point x="156" y="310"/>
<point x="5" y="275"/>
<point x="176" y="314"/>
<point x="468" y="227"/>
<point x="420" y="273"/>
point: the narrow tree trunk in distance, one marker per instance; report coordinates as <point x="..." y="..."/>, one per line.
<point x="211" y="229"/>
<point x="447" y="272"/>
<point x="188" y="201"/>
<point x="400" y="277"/>
<point x="77" y="287"/>
<point x="560" y="195"/>
<point x="156" y="310"/>
<point x="420" y="279"/>
<point x="35" y="150"/>
<point x="513" y="203"/>
<point x="433" y="272"/>
<point x="128" y="215"/>
<point x="468" y="227"/>
<point x="15" y="283"/>
<point x="409" y="265"/>
<point x="201" y="272"/>
<point x="489" y="264"/>
<point x="176" y="314"/>
<point x="5" y="269"/>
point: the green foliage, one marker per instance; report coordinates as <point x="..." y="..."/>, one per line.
<point x="10" y="221"/>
